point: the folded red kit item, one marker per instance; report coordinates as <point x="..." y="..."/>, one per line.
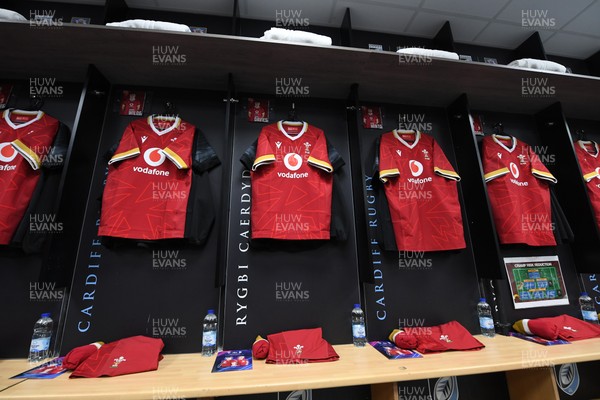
<point x="449" y="336"/>
<point x="562" y="327"/>
<point x="403" y="339"/>
<point x="260" y="348"/>
<point x="125" y="356"/>
<point x="299" y="347"/>
<point x="80" y="354"/>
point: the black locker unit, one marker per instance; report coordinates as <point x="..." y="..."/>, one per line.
<point x="279" y="286"/>
<point x="414" y="288"/>
<point x="160" y="291"/>
<point x="32" y="283"/>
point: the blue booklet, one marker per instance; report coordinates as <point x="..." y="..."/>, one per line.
<point x="538" y="340"/>
<point x="47" y="370"/>
<point x="233" y="360"/>
<point x="393" y="352"/>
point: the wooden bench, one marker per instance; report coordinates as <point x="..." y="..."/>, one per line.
<point x="528" y="366"/>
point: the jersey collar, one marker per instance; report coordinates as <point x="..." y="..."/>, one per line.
<point x="8" y="112"/>
<point x="398" y="132"/>
<point x="296" y="123"/>
<point x="513" y="140"/>
<point x="582" y="144"/>
<point x="175" y="124"/>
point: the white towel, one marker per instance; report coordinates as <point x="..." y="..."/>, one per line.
<point x="289" y="35"/>
<point x="8" y="15"/>
<point x="542" y="65"/>
<point x="429" y="52"/>
<point x="148" y="24"/>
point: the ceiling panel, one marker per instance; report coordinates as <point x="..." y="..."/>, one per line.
<point x="587" y="22"/>
<point x="561" y="10"/>
<point x="485" y="9"/>
<point x="503" y="35"/>
<point x="87" y="2"/>
<point x="545" y="35"/>
<point x="318" y="12"/>
<point x="575" y="46"/>
<point x="210" y="7"/>
<point x="427" y="24"/>
<point x="387" y="19"/>
<point x="389" y="3"/>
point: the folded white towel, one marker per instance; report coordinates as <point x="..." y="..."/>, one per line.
<point x="543" y="65"/>
<point x="429" y="52"/>
<point x="8" y="15"/>
<point x="289" y="35"/>
<point x="148" y="24"/>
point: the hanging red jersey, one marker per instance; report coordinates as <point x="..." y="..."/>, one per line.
<point x="291" y="183"/>
<point x="517" y="184"/>
<point x="149" y="181"/>
<point x="589" y="162"/>
<point x="420" y="187"/>
<point x="26" y="138"/>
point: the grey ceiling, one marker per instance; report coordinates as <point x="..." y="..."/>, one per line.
<point x="574" y="30"/>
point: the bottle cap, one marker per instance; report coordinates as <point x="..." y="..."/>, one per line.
<point x="46" y="315"/>
<point x="211" y="311"/>
<point x="357" y="306"/>
<point x="584" y="293"/>
<point x="482" y="300"/>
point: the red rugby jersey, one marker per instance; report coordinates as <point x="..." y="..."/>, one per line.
<point x="589" y="162"/>
<point x="26" y="138"/>
<point x="517" y="185"/>
<point x="291" y="183"/>
<point x="420" y="186"/>
<point x="149" y="181"/>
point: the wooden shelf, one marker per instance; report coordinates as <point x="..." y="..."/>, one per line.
<point x="188" y="375"/>
<point x="124" y="56"/>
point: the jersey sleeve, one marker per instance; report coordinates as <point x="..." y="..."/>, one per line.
<point x="249" y="155"/>
<point x="373" y="158"/>
<point x="493" y="166"/>
<point x="335" y="157"/>
<point x="387" y="167"/>
<point x="588" y="174"/>
<point x="319" y="156"/>
<point x="128" y="147"/>
<point x="58" y="153"/>
<point x="441" y="165"/>
<point x="204" y="157"/>
<point x="538" y="169"/>
<point x="179" y="152"/>
<point x="264" y="152"/>
<point x="35" y="148"/>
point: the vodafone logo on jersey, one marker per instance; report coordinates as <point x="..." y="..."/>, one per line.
<point x="292" y="161"/>
<point x="7" y="152"/>
<point x="514" y="170"/>
<point x="416" y="168"/>
<point x="154" y="157"/>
